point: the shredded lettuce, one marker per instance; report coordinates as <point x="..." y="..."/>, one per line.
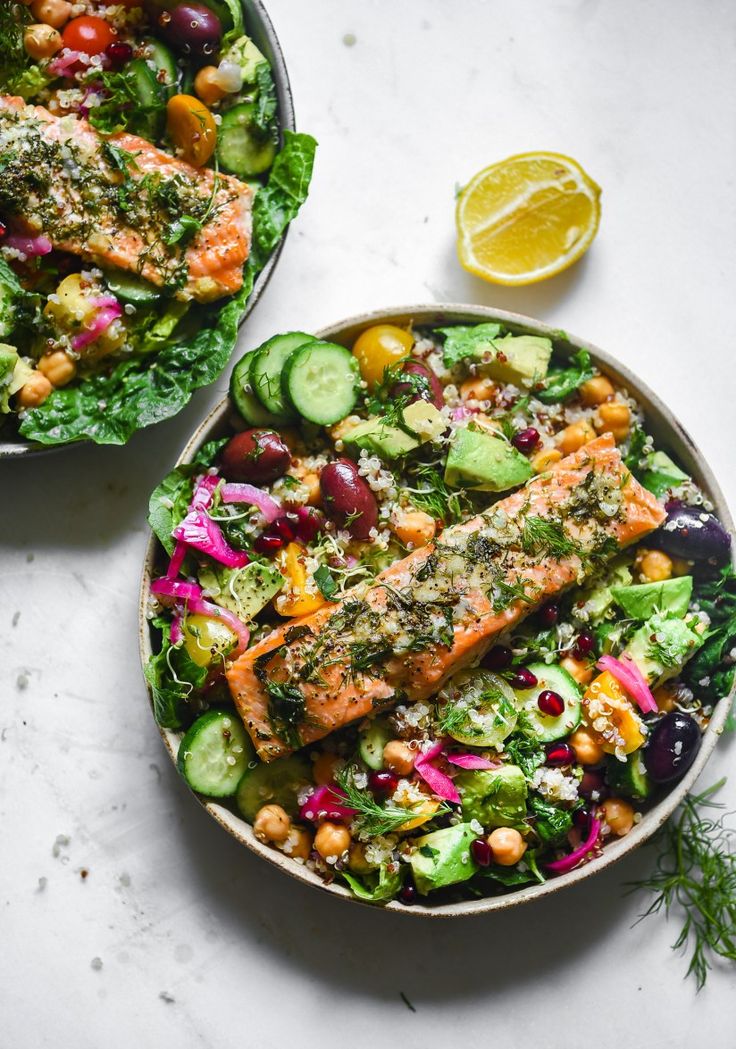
<point x="376" y="886"/>
<point x="562" y="384"/>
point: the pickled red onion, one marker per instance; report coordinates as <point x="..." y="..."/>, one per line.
<point x="568" y="862"/>
<point x="628" y="674"/>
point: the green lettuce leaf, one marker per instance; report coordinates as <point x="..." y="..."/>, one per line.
<point x="562" y="384"/>
<point x="172" y="677"/>
<point x="376" y="886"/>
<point x="717" y="597"/>
<point x="550" y="822"/>
<point x="464" y="341"/>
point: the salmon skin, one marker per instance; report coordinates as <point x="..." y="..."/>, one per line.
<point x="121" y="202"/>
<point x="399" y="638"/>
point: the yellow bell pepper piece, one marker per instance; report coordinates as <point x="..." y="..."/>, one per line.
<point x="297" y="601"/>
<point x="425" y="811"/>
<point x="611" y="716"/>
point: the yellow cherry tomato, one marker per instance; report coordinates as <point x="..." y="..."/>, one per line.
<point x="611" y="717"/>
<point x="297" y="601"/>
<point x="192" y="129"/>
<point x="380" y="347"/>
<point x="207" y="639"/>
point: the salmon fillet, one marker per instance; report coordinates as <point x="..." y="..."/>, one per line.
<point x="119" y="201"/>
<point x="441" y="608"/>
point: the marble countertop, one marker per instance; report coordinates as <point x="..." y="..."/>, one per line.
<point x="127" y="917"/>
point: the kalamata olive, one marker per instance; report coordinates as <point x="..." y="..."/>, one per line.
<point x="255" y="456"/>
<point x="192" y="29"/>
<point x="431" y="389"/>
<point x="347" y="499"/>
<point x="672" y="746"/>
<point x="692" y="534"/>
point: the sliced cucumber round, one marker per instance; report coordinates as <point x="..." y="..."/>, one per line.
<point x="268" y="364"/>
<point x="242" y="149"/>
<point x="629" y="777"/>
<point x="152" y="97"/>
<point x="371" y="741"/>
<point x="532" y="721"/>
<point x="477" y="708"/>
<point x="320" y="381"/>
<point x="214" y="754"/>
<point x="129" y="288"/>
<point x="278" y="782"/>
<point x="162" y="58"/>
<point x="246" y="402"/>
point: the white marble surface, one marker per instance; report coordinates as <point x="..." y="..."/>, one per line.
<point x="199" y="943"/>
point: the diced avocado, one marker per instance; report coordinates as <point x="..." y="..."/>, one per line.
<point x="244" y="53"/>
<point x="244" y="591"/>
<point x="442" y="857"/>
<point x="661" y="474"/>
<point x="596" y="601"/>
<point x="484" y="462"/>
<point x="662" y="647"/>
<point x="387" y="441"/>
<point x="14" y="373"/>
<point x="628" y="777"/>
<point x="519" y="359"/>
<point x="641" y="602"/>
<point x="494" y="797"/>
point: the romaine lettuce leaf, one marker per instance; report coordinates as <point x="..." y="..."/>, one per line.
<point x="172" y="677"/>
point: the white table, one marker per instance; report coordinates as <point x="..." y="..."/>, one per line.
<point x="197" y="942"/>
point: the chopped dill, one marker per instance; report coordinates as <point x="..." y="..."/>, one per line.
<point x="541" y="536"/>
<point x="372" y="819"/>
<point x="430" y="494"/>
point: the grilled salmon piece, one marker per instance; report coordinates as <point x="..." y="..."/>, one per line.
<point x="120" y="202"/>
<point x="441" y="608"/>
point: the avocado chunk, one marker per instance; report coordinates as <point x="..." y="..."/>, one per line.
<point x="15" y="371"/>
<point x="644" y="600"/>
<point x="442" y="857"/>
<point x="494" y="797"/>
<point x="519" y="359"/>
<point x="387" y="441"/>
<point x="244" y="591"/>
<point x="484" y="462"/>
<point x="597" y="600"/>
<point x="662" y="646"/>
<point x="660" y="474"/>
<point x="628" y="777"/>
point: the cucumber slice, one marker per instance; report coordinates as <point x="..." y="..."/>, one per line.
<point x="320" y="381"/>
<point x="278" y="782"/>
<point x="132" y="289"/>
<point x="373" y="738"/>
<point x="532" y="721"/>
<point x="629" y="777"/>
<point x="477" y="708"/>
<point x="266" y="369"/>
<point x="152" y="97"/>
<point x="241" y="148"/>
<point x="246" y="402"/>
<point x="160" y="56"/>
<point x="215" y="753"/>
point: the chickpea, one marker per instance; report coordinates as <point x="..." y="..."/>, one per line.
<point x="574" y="436"/>
<point x="357" y="861"/>
<point x="58" y="367"/>
<point x="414" y="528"/>
<point x="578" y="669"/>
<point x="324" y="769"/>
<point x="654" y="565"/>
<point x="398" y="757"/>
<point x="478" y="389"/>
<point x="614" y="417"/>
<point x="55" y="13"/>
<point x="507" y="846"/>
<point x="665" y="699"/>
<point x="545" y="459"/>
<point x="272" y="825"/>
<point x="681" y="567"/>
<point x="587" y="750"/>
<point x="618" y="814"/>
<point x="342" y="429"/>
<point x="35" y="391"/>
<point x="298" y="844"/>
<point x="207" y="85"/>
<point x="596" y="390"/>
<point x="331" y="839"/>
<point x="41" y="41"/>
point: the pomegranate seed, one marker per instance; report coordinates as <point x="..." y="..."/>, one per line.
<point x="119" y="53"/>
<point x="310" y="523"/>
<point x="481" y="852"/>
<point x="408" y="895"/>
<point x="581" y="819"/>
<point x="3" y="229"/>
<point x="560" y="754"/>
<point x="286" y="527"/>
<point x="526" y="440"/>
<point x="268" y="543"/>
<point x="592" y="784"/>
<point x="383" y="782"/>
<point x="548" y="615"/>
<point x="498" y="658"/>
<point x="523" y="678"/>
<point x="551" y="703"/>
<point x="584" y="645"/>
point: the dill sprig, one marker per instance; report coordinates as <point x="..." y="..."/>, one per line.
<point x="432" y="495"/>
<point x="542" y="536"/>
<point x="372" y="819"/>
<point x="695" y="879"/>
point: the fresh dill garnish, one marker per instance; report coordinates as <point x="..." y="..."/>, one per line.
<point x="397" y="389"/>
<point x="694" y="880"/>
<point x="286" y="710"/>
<point x="523" y="749"/>
<point x="427" y="491"/>
<point x="543" y="537"/>
<point x="372" y="819"/>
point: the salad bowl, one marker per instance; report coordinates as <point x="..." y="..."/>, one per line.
<point x="667" y="434"/>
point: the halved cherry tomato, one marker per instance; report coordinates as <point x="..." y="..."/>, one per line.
<point x="300" y="602"/>
<point x="88" y="34"/>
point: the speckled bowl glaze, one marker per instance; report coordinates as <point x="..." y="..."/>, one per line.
<point x="259" y="27"/>
<point x="668" y="434"/>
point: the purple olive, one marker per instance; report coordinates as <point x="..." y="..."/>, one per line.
<point x="347" y="499"/>
<point x="432" y="391"/>
<point x="256" y="457"/>
<point x="672" y="746"/>
<point x="192" y="29"/>
<point x="692" y="534"/>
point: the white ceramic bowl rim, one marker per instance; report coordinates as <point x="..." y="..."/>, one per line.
<point x="668" y="433"/>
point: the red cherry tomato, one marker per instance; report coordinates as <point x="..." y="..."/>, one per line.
<point x="88" y="34"/>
